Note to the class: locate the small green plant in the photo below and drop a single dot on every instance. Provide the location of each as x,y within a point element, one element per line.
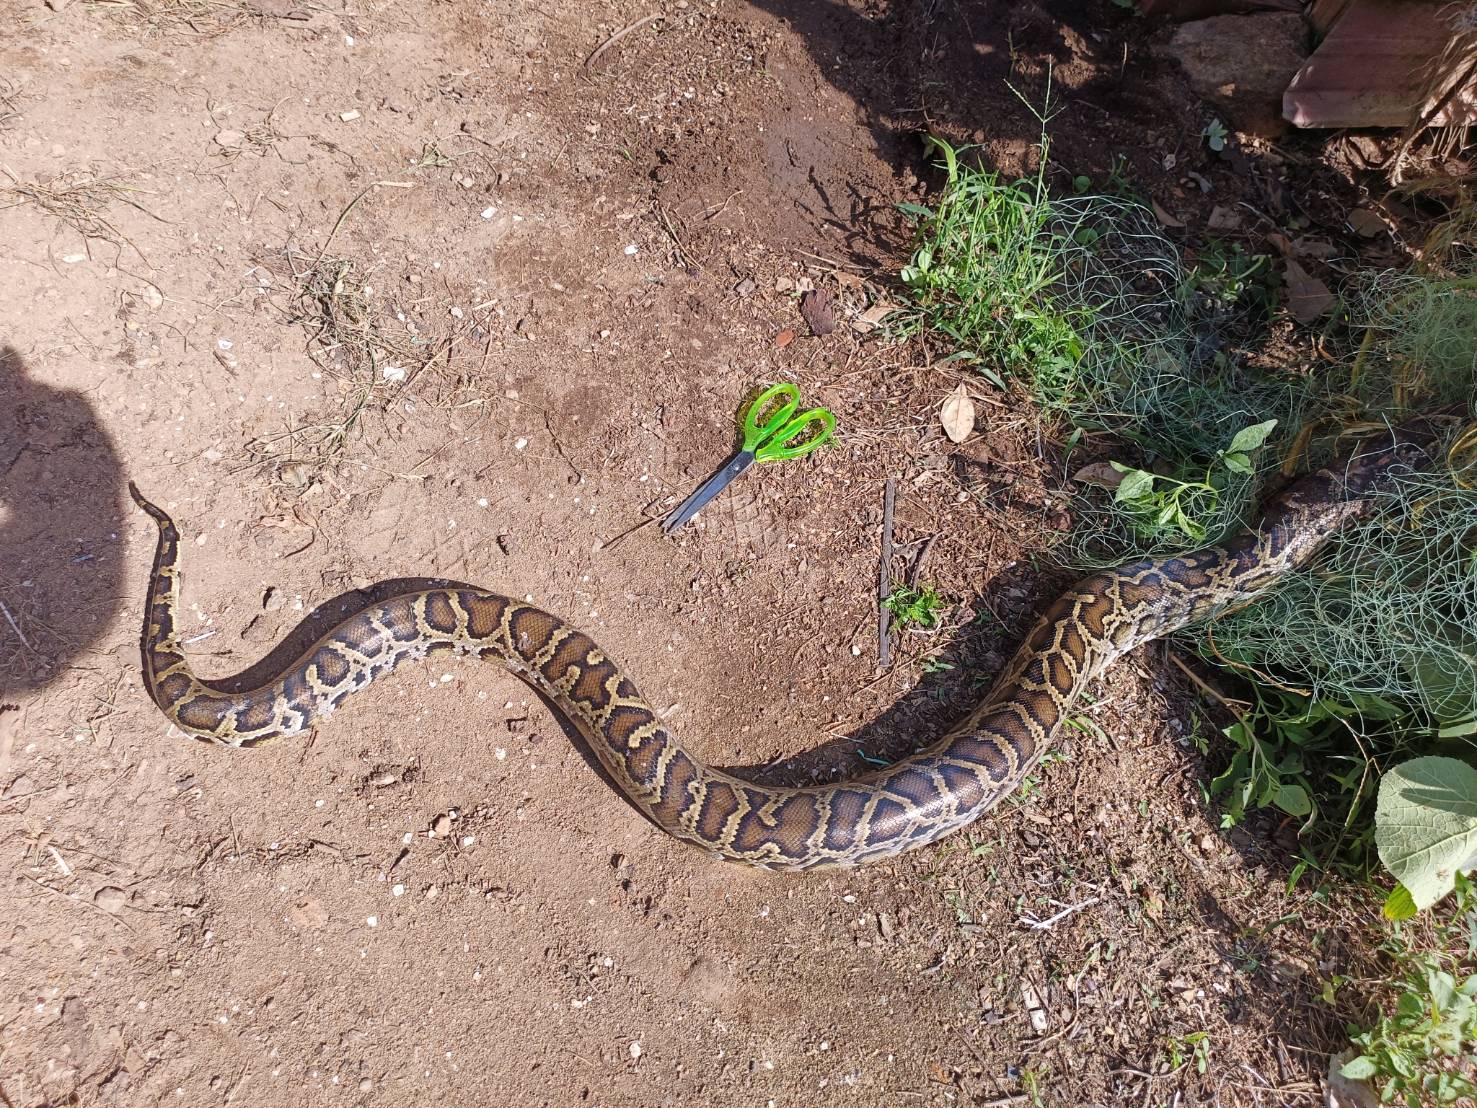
<point>1226,276</point>
<point>1197,1045</point>
<point>1157,502</point>
<point>1279,738</point>
<point>1418,1052</point>
<point>915,608</point>
<point>1215,134</point>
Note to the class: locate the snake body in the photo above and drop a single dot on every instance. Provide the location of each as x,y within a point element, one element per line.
<point>941,788</point>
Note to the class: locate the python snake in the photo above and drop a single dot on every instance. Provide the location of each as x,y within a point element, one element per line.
<point>915,801</point>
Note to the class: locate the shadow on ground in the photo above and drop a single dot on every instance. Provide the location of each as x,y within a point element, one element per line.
<point>61,558</point>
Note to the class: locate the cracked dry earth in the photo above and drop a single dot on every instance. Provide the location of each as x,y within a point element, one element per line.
<point>413,290</point>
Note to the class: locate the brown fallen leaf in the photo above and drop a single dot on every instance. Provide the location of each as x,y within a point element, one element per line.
<point>1366,223</point>
<point>818,311</point>
<point>1101,474</point>
<point>1223,218</point>
<point>785,337</point>
<point>1308,298</point>
<point>872,318</point>
<point>957,415</point>
<point>1164,218</point>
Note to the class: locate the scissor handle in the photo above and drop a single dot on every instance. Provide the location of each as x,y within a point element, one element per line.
<point>757,432</point>
<point>770,429</point>
<point>777,446</point>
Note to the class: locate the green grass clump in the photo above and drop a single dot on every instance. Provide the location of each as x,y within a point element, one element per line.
<point>1420,338</point>
<point>982,274</point>
<point>915,607</point>
<point>1083,302</point>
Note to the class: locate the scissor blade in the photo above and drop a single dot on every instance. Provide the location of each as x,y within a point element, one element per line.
<point>707,490</point>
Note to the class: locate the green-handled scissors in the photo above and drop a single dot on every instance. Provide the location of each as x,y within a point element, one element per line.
<point>770,426</point>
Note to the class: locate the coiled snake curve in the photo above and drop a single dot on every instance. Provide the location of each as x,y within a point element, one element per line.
<point>915,801</point>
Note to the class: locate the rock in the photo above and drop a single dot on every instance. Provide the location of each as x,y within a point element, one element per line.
<point>110,899</point>
<point>114,1088</point>
<point>1242,64</point>
<point>22,785</point>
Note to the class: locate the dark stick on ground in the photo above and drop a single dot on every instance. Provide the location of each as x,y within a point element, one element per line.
<point>884,579</point>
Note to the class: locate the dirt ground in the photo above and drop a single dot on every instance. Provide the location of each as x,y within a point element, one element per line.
<point>425,289</point>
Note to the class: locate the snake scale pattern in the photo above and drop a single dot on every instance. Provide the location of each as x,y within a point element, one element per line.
<point>941,788</point>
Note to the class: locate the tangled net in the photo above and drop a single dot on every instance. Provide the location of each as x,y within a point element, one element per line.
<point>1388,611</point>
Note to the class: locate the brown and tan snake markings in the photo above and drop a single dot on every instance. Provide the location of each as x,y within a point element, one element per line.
<point>913,802</point>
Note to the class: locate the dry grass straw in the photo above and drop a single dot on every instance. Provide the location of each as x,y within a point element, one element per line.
<point>1449,77</point>
<point>196,17</point>
<point>80,201</point>
<point>369,359</point>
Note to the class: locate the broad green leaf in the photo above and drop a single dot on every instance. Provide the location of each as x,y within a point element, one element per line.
<point>1249,438</point>
<point>1398,905</point>
<point>1442,987</point>
<point>1457,730</point>
<point>1238,462</point>
<point>1358,1069</point>
<point>1293,799</point>
<point>1426,824</point>
<point>1136,485</point>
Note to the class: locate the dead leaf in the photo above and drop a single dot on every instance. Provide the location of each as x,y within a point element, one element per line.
<point>1308,298</point>
<point>1345,1092</point>
<point>817,310</point>
<point>1366,223</point>
<point>1164,218</point>
<point>957,415</point>
<point>872,318</point>
<point>1307,247</point>
<point>785,337</point>
<point>1101,474</point>
<point>1223,218</point>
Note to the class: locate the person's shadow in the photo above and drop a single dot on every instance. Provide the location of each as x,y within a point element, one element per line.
<point>61,513</point>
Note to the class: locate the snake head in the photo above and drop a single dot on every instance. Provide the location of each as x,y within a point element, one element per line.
<point>1402,448</point>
